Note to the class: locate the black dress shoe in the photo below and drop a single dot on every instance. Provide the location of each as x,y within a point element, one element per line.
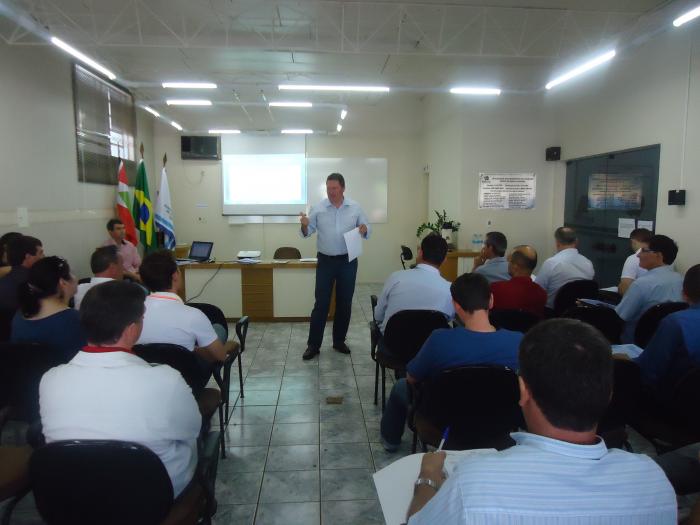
<point>341,347</point>
<point>310,353</point>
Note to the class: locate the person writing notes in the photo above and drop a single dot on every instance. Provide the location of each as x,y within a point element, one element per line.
<point>331,219</point>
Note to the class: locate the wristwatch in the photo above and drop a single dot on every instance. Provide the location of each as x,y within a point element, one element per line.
<point>427,481</point>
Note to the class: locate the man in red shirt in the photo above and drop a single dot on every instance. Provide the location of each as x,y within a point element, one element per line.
<point>520,292</point>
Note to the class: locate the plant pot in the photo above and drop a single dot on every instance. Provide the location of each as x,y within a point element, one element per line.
<point>450,237</point>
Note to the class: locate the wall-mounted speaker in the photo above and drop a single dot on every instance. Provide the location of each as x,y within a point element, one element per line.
<point>676,198</point>
<point>553,153</point>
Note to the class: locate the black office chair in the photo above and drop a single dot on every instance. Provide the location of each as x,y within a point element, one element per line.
<point>213,313</point>
<point>115,483</point>
<point>84,280</point>
<point>478,403</point>
<point>403,337</point>
<point>649,321</point>
<point>603,318</point>
<point>287,252</point>
<point>627,385</point>
<point>6,317</point>
<point>242,333</point>
<point>567,294</point>
<point>516,320</point>
<point>406,255</point>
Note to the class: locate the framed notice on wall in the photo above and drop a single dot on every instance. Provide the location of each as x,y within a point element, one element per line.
<point>614,192</point>
<point>506,191</point>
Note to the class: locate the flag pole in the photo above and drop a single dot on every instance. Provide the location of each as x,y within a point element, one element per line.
<point>165,159</point>
<point>141,150</point>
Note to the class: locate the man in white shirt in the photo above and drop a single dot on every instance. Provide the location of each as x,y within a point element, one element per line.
<point>168,319</point>
<point>107,392</point>
<point>639,238</point>
<point>106,265</point>
<point>566,266</point>
<point>420,288</point>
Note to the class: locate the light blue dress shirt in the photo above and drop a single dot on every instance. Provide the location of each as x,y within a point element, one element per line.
<point>421,288</point>
<point>494,270</point>
<point>544,481</point>
<point>659,285</point>
<point>332,223</point>
<point>563,267</point>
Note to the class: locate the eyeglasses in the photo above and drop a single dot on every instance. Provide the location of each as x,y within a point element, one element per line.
<point>648,250</point>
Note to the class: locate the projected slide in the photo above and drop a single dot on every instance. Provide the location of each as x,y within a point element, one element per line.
<point>264,184</point>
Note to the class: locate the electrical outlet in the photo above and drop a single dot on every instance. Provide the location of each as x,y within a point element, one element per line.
<point>488,222</point>
<point>202,220</point>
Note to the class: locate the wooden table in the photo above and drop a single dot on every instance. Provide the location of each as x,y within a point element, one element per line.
<point>453,265</point>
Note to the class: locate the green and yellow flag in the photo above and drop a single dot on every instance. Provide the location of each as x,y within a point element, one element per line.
<point>143,210</point>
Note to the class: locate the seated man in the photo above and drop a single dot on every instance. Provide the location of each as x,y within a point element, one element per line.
<point>421,288</point>
<point>106,265</point>
<point>520,292</point>
<point>477,343</point>
<point>131,260</point>
<point>107,392</point>
<point>659,285</point>
<point>566,266</point>
<point>639,238</point>
<point>491,262</point>
<point>675,347</point>
<point>559,472</point>
<point>22,253</point>
<point>168,319</point>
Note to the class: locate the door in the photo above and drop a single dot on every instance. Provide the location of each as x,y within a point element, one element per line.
<point>600,191</point>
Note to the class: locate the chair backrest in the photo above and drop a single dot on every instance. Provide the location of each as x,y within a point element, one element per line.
<point>105,482</point>
<point>193,368</point>
<point>649,321</point>
<point>6,324</point>
<point>21,367</point>
<point>478,403</point>
<point>213,313</point>
<point>567,294</point>
<point>242,330</point>
<point>603,318</point>
<point>516,320</point>
<point>373,302</point>
<point>407,330</point>
<point>685,399</point>
<point>627,385</point>
<point>406,255</point>
<point>287,252</point>
<point>84,280</point>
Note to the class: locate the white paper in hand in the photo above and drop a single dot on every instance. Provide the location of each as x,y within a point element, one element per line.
<point>353,242</point>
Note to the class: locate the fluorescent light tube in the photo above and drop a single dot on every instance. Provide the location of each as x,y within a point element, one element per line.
<point>687,17</point>
<point>343,114</point>
<point>176,125</point>
<point>224,131</point>
<point>83,58</point>
<point>187,102</point>
<point>475,91</point>
<point>581,69</point>
<point>297,131</point>
<point>189,85</point>
<point>309,87</point>
<point>151,111</point>
<point>339,127</point>
<point>291,104</point>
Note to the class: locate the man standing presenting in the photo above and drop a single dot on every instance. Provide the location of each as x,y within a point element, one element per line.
<point>332,218</point>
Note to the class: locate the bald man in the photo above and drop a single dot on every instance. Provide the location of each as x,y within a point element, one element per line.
<point>520,292</point>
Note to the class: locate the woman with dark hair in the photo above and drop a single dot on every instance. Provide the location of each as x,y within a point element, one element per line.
<point>6,239</point>
<point>44,315</point>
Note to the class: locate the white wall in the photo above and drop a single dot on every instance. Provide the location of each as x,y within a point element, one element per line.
<point>38,152</point>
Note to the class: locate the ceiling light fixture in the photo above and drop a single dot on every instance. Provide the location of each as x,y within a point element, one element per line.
<point>176,125</point>
<point>605,57</point>
<point>290,104</point>
<point>339,127</point>
<point>297,131</point>
<point>310,87</point>
<point>475,91</point>
<point>189,85</point>
<point>343,114</point>
<point>83,58</point>
<point>224,131</point>
<point>187,102</point>
<point>151,111</point>
<point>687,17</point>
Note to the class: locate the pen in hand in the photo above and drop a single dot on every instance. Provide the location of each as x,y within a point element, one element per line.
<point>445,434</point>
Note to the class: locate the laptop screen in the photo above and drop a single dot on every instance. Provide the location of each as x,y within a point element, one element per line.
<point>201,250</point>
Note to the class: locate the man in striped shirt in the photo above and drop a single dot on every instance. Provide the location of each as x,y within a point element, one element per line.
<point>560,472</point>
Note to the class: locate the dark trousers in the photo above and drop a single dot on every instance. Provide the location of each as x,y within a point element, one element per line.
<point>332,270</point>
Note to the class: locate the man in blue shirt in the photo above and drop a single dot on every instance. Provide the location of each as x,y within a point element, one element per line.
<point>491,262</point>
<point>559,472</point>
<point>659,285</point>
<point>332,218</point>
<point>476,344</point>
<point>675,347</point>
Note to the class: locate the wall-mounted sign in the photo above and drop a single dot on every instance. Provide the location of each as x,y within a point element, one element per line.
<point>506,191</point>
<point>614,192</point>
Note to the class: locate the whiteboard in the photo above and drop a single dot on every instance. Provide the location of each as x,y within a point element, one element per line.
<point>366,182</point>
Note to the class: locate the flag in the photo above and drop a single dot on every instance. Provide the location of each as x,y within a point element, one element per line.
<point>143,210</point>
<point>123,205</point>
<point>164,213</point>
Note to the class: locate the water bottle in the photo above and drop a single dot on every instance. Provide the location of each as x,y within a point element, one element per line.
<point>475,242</point>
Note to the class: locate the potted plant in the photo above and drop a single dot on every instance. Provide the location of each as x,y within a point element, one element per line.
<point>443,226</point>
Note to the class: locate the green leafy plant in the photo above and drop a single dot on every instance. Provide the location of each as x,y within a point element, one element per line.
<point>442,223</point>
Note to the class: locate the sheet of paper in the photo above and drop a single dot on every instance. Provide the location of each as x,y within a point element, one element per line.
<point>596,302</point>
<point>649,225</point>
<point>394,483</point>
<point>309,259</point>
<point>353,242</point>
<point>625,227</point>
<point>630,350</point>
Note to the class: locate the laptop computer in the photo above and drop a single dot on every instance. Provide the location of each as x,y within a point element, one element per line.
<point>200,251</point>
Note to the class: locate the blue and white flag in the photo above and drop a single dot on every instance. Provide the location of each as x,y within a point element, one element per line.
<point>164,213</point>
